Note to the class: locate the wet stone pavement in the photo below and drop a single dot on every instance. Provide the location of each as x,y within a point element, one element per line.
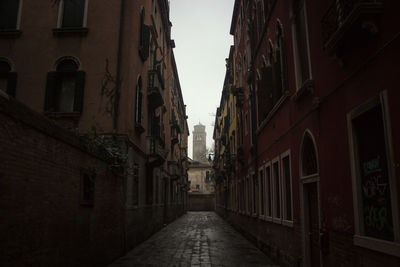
<point>195,239</point>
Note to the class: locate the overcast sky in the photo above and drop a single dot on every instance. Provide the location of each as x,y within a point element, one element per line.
<point>200,29</point>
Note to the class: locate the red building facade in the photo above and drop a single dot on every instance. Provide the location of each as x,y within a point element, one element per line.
<point>317,104</point>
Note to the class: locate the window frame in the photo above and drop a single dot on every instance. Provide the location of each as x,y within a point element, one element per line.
<point>275,218</point>
<point>359,238</point>
<point>269,197</point>
<point>285,221</point>
<point>254,193</point>
<point>61,16</point>
<point>17,22</point>
<point>261,190</point>
<point>296,54</point>
<point>53,87</point>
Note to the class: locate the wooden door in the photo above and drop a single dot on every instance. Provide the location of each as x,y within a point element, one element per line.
<point>313,224</point>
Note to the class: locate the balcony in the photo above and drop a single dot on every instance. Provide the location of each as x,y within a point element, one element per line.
<point>156,152</point>
<point>175,132</point>
<point>174,170</point>
<point>155,89</point>
<point>348,20</point>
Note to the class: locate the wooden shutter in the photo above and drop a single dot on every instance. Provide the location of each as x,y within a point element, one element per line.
<point>79,87</point>
<point>145,42</point>
<point>51,86</point>
<point>12,83</point>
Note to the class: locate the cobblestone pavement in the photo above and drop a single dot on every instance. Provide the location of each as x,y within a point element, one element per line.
<point>195,239</point>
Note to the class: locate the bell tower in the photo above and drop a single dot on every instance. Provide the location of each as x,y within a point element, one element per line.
<point>199,143</point>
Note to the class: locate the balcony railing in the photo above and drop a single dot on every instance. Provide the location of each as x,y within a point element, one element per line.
<point>343,15</point>
<point>174,169</point>
<point>155,89</point>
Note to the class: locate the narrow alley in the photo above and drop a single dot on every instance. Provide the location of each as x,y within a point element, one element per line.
<point>195,239</point>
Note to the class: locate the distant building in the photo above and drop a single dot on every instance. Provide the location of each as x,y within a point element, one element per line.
<point>200,174</point>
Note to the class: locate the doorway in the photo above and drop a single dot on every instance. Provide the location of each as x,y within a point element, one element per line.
<point>312,224</point>
<point>310,204</point>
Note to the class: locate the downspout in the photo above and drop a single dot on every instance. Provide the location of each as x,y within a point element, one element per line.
<point>116,111</point>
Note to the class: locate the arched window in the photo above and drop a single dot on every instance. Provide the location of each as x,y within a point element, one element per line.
<point>64,89</point>
<point>279,63</point>
<point>309,164</point>
<point>139,106</point>
<point>8,79</point>
<point>300,43</point>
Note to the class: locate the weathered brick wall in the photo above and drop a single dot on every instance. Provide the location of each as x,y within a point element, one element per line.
<point>42,222</point>
<point>201,202</point>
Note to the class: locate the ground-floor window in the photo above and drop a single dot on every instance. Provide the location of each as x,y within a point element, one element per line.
<point>286,187</point>
<point>276,192</point>
<point>373,174</point>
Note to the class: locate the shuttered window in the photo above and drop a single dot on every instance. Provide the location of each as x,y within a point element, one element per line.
<point>9,14</point>
<point>64,88</point>
<point>144,38</point>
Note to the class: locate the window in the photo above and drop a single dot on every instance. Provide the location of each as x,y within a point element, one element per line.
<point>374,183</point>
<point>246,124</point>
<point>9,13</point>
<point>300,37</point>
<point>87,188</point>
<point>64,88</point>
<point>139,106</point>
<point>309,165</point>
<point>279,64</point>
<point>268,190</point>
<point>276,188</point>
<point>261,182</point>
<point>286,188</point>
<point>264,93</point>
<point>254,193</point>
<point>272,82</point>
<point>72,13</point>
<point>8,79</point>
<point>260,17</point>
<point>135,184</point>
<point>247,192</point>
<point>144,38</point>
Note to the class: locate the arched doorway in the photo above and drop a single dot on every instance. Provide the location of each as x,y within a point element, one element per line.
<point>309,178</point>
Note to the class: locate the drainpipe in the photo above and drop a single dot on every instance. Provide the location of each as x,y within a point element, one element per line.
<point>116,110</point>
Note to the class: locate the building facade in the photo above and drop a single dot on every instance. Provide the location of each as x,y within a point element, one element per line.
<point>316,100</point>
<point>113,77</point>
<point>200,178</point>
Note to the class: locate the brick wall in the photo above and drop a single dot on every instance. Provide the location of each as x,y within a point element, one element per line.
<point>42,220</point>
